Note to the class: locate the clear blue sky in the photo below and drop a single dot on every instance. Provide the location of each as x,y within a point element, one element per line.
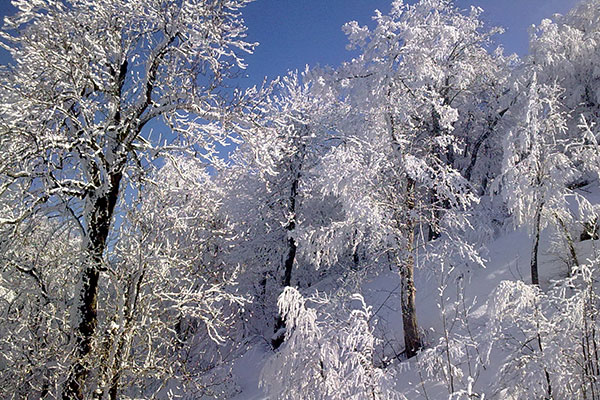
<point>293,33</point>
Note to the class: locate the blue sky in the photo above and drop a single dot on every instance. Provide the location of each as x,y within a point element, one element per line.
<point>293,33</point>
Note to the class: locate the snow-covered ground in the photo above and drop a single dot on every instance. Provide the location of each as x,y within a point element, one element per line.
<point>507,258</point>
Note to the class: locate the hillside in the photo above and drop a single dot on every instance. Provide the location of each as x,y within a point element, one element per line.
<point>507,259</point>
<point>420,221</point>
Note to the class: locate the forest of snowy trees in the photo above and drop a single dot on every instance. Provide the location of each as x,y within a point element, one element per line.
<point>348,232</point>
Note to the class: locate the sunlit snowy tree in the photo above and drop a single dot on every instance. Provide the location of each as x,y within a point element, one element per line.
<point>36,284</point>
<point>267,196</point>
<point>87,79</point>
<point>331,341</point>
<point>536,169</point>
<point>171,302</point>
<point>550,339</point>
<point>397,172</point>
<point>564,50</point>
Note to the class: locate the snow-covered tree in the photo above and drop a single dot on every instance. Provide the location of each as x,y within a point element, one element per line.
<point>436,68</point>
<point>564,57</point>
<point>536,169</point>
<point>519,323</point>
<point>267,198</point>
<point>564,52</point>
<point>36,287</point>
<point>170,301</point>
<point>564,49</point>
<point>550,340</point>
<point>411,90</point>
<point>456,359</point>
<point>329,351</point>
<point>87,80</point>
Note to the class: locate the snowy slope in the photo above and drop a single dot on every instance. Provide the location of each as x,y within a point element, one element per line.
<point>507,258</point>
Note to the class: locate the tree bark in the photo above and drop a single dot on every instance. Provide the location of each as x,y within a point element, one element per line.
<point>570,244</point>
<point>536,243</point>
<point>289,260</point>
<point>412,339</point>
<point>292,247</point>
<point>131,301</point>
<point>477,145</point>
<point>98,227</point>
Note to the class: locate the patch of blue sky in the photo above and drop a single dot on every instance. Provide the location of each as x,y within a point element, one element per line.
<point>295,33</point>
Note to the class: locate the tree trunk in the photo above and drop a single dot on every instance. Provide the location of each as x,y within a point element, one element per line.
<point>412,339</point>
<point>570,244</point>
<point>536,243</point>
<point>539,339</point>
<point>292,247</point>
<point>131,301</point>
<point>289,261</point>
<point>476,146</point>
<point>98,227</point>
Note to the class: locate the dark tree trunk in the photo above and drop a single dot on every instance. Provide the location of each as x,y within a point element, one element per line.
<point>289,261</point>
<point>98,227</point>
<point>569,239</point>
<point>287,279</point>
<point>99,219</point>
<point>546,373</point>
<point>412,339</point>
<point>536,243</point>
<point>291,256</point>
<point>477,145</point>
